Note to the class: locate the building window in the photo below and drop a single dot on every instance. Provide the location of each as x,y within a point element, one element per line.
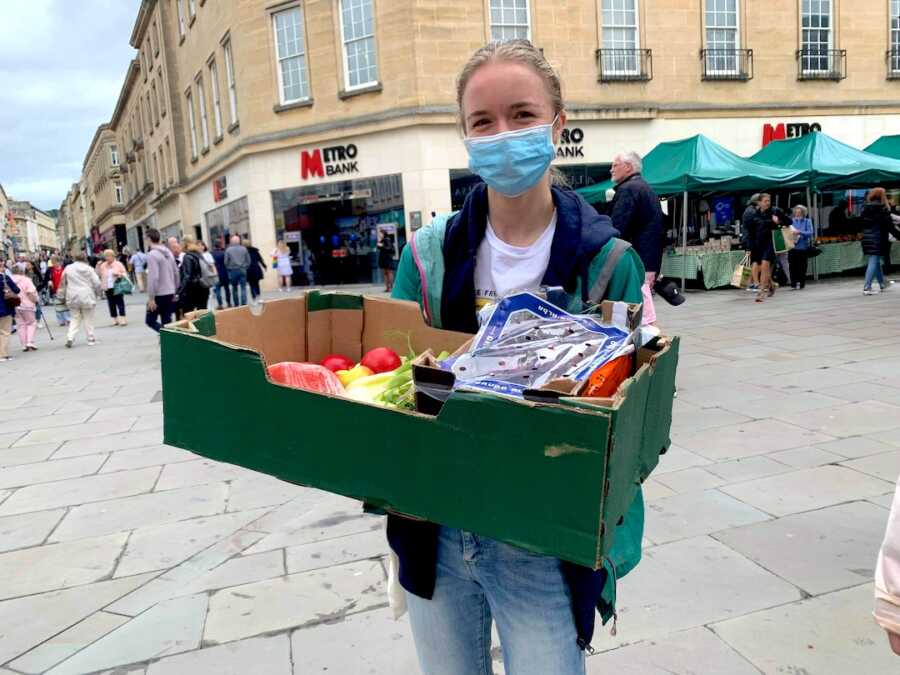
<point>229,75</point>
<point>510,20</point>
<point>358,37</point>
<point>894,55</point>
<point>181,27</point>
<point>216,99</point>
<point>621,41</point>
<point>192,8</point>
<point>155,36</point>
<point>722,37</point>
<point>114,155</point>
<point>204,122</point>
<point>817,37</point>
<point>119,194</point>
<point>293,79</point>
<point>162,95</point>
<point>154,101</point>
<point>169,161</point>
<point>156,173</point>
<point>192,123</point>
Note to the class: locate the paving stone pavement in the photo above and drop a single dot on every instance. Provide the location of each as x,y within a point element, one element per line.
<point>121,554</point>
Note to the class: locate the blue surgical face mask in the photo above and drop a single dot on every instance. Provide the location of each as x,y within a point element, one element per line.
<point>512,162</point>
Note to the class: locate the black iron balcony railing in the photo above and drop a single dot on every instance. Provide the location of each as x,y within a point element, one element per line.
<point>893,63</point>
<point>727,64</point>
<point>821,64</point>
<point>625,65</point>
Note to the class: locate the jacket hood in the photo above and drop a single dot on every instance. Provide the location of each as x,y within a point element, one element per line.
<point>166,253</point>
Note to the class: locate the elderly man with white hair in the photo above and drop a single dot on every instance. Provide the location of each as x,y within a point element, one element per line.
<point>637,216</point>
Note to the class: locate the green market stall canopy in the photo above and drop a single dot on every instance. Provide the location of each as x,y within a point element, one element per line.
<point>886,146</point>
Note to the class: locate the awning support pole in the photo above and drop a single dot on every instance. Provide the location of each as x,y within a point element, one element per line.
<point>684,228</point>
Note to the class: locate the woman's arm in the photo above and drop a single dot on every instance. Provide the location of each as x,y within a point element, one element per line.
<point>407,284</point>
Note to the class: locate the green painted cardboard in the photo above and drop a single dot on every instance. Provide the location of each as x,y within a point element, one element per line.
<point>554,479</point>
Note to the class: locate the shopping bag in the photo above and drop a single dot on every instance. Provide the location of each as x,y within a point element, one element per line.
<point>742,273</point>
<point>123,286</point>
<point>783,239</point>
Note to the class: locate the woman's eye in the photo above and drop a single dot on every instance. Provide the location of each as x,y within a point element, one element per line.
<point>479,123</point>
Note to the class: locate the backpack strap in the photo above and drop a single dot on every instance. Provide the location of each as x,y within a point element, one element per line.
<point>601,283</point>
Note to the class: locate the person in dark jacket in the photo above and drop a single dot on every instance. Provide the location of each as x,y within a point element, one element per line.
<point>192,293</point>
<point>636,214</point>
<point>748,237</point>
<point>218,255</point>
<point>257,269</point>
<point>6,312</point>
<point>877,228</point>
<point>763,251</point>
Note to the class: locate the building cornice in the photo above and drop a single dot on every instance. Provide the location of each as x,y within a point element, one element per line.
<point>133,72</point>
<point>103,127</point>
<point>140,23</point>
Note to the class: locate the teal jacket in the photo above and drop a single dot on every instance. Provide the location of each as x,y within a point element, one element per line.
<point>437,270</point>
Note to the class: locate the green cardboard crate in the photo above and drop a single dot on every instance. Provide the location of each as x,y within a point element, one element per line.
<point>551,478</point>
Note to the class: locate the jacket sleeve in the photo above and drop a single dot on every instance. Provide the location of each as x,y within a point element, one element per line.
<point>407,285</point>
<point>10,283</point>
<point>887,572</point>
<point>623,212</point>
<point>152,276</point>
<point>95,282</point>
<point>627,279</point>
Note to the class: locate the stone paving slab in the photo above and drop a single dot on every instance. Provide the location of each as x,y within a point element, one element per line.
<point>692,513</point>
<point>829,634</point>
<point>46,472</point>
<point>27,455</point>
<point>269,655</point>
<point>745,440</point>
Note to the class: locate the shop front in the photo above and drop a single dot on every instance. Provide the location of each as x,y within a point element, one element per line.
<point>136,233</point>
<point>333,229</point>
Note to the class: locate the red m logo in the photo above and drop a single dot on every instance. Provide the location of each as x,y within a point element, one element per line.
<point>770,133</point>
<point>311,164</point>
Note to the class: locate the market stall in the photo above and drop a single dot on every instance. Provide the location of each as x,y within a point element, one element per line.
<point>886,146</point>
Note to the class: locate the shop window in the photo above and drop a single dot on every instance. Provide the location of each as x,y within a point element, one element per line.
<point>358,37</point>
<point>290,47</point>
<point>510,20</point>
<point>232,218</point>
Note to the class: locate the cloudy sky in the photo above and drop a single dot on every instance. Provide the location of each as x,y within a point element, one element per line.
<point>62,64</point>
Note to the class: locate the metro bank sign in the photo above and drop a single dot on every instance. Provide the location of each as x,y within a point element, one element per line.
<point>779,132</point>
<point>335,160</point>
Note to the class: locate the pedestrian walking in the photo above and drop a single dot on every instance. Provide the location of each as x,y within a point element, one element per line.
<point>162,282</point>
<point>387,250</point>
<point>237,262</point>
<point>637,215</point>
<point>176,249</point>
<point>138,263</point>
<point>257,269</point>
<point>763,251</point>
<point>748,238</point>
<point>56,270</point>
<point>877,228</point>
<point>798,257</point>
<point>457,583</point>
<point>281,259</point>
<point>223,284</point>
<point>81,288</point>
<point>887,577</point>
<point>192,293</point>
<point>110,271</point>
<point>26,312</point>
<point>7,308</point>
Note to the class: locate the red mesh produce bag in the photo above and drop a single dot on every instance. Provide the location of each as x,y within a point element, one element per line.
<point>308,376</point>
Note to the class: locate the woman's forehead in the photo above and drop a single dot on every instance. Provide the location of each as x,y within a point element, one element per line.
<point>501,84</point>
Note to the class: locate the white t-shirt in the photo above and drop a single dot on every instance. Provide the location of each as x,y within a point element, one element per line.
<point>501,268</point>
<point>110,279</point>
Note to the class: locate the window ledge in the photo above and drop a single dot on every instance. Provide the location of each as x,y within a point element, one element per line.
<point>163,113</point>
<point>218,139</point>
<point>368,89</point>
<point>282,107</point>
<point>234,127</point>
<point>181,39</point>
<point>205,151</point>
<point>194,159</point>
<point>192,20</point>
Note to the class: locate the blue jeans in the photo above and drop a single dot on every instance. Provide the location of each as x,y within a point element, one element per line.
<point>218,290</point>
<point>165,308</point>
<point>479,580</point>
<point>873,271</point>
<point>238,279</point>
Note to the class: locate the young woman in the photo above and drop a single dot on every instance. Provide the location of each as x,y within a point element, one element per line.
<point>192,293</point>
<point>763,251</point>
<point>877,225</point>
<point>386,262</point>
<point>519,231</point>
<point>281,257</point>
<point>26,312</point>
<point>257,269</point>
<point>110,269</point>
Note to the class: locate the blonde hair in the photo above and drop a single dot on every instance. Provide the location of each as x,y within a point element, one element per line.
<point>189,243</point>
<point>526,54</point>
<point>877,196</point>
<point>109,252</point>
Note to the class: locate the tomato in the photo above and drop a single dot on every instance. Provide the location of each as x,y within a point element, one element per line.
<point>308,376</point>
<point>381,360</point>
<point>336,362</point>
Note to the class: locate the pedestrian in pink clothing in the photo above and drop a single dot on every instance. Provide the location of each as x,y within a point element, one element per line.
<point>26,321</point>
<point>887,577</point>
